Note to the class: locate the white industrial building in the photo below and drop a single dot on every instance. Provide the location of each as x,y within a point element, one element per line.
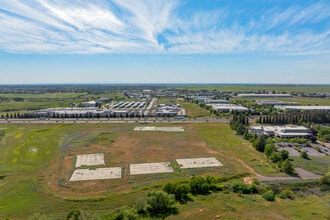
<point>229,108</point>
<point>274,102</point>
<point>282,131</point>
<point>263,95</point>
<point>169,110</point>
<point>89,104</point>
<point>305,108</point>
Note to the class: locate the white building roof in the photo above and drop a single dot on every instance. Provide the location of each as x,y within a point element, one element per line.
<point>306,107</point>
<point>246,95</point>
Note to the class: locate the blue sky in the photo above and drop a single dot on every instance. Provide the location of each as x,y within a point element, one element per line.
<point>169,41</point>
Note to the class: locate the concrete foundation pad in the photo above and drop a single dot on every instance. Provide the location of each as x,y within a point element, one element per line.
<point>146,168</point>
<point>153,128</point>
<point>97,174</point>
<point>90,160</point>
<point>198,162</point>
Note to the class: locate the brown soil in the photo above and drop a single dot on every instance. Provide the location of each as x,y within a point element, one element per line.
<point>128,147</point>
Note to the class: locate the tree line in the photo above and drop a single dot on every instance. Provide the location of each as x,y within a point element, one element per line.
<point>295,118</point>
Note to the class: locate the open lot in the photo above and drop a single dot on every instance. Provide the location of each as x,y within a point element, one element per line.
<point>147,168</point>
<point>37,162</point>
<point>153,128</point>
<point>198,162</point>
<point>96,174</point>
<point>90,160</point>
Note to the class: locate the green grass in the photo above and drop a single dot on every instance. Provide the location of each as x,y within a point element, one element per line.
<point>223,139</point>
<point>318,165</point>
<point>224,205</point>
<point>24,190</point>
<point>194,111</point>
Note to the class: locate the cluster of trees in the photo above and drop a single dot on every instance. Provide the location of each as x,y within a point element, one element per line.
<point>296,118</point>
<point>239,123</point>
<point>324,134</point>
<point>157,204</point>
<point>196,186</point>
<point>267,146</point>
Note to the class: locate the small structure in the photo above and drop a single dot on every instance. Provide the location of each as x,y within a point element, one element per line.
<point>147,168</point>
<point>90,160</point>
<point>282,131</point>
<point>89,104</point>
<point>303,108</point>
<point>274,102</point>
<point>263,95</point>
<point>153,128</point>
<point>96,174</point>
<point>229,108</point>
<point>198,162</point>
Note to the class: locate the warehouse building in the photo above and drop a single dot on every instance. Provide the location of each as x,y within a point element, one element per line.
<point>229,108</point>
<point>303,108</point>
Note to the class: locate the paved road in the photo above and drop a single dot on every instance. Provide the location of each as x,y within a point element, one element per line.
<point>302,175</point>
<point>110,120</point>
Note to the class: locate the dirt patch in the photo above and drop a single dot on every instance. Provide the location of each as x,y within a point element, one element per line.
<point>125,147</point>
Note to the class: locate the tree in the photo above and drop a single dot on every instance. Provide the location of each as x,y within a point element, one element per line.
<point>287,167</point>
<point>269,149</point>
<point>260,143</point>
<point>160,204</point>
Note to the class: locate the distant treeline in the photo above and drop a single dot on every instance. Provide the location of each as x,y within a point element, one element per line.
<point>295,118</point>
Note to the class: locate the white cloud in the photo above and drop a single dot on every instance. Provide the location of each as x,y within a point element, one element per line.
<point>155,27</point>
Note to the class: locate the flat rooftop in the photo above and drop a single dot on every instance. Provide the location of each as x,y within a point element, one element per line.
<point>90,160</point>
<point>147,168</point>
<point>199,162</point>
<point>96,174</point>
<point>153,128</point>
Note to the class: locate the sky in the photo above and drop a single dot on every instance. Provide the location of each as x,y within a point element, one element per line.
<point>164,41</point>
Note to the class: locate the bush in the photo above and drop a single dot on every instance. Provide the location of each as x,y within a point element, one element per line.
<point>245,189</point>
<point>199,185</point>
<point>286,194</point>
<point>304,154</point>
<point>326,179</point>
<point>287,167</point>
<point>126,213</point>
<point>269,149</point>
<point>269,195</point>
<point>180,191</point>
<point>160,204</point>
<point>75,215</point>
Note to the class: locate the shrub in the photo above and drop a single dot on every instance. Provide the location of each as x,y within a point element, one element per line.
<point>199,185</point>
<point>269,149</point>
<point>245,189</point>
<point>160,204</point>
<point>180,191</point>
<point>286,194</point>
<point>126,213</point>
<point>304,154</point>
<point>269,195</point>
<point>326,179</point>
<point>287,167</point>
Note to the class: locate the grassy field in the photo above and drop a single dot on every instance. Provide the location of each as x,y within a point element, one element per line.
<point>11,103</point>
<point>194,111</point>
<point>37,161</point>
<point>254,88</point>
<point>318,165</point>
<point>299,100</point>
